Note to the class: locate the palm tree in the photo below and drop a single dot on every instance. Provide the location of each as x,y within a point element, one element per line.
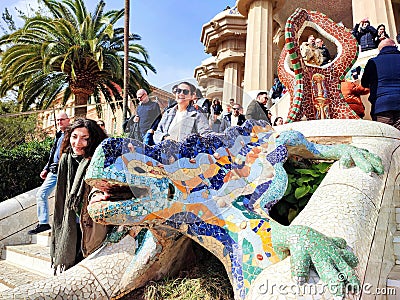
<point>72,51</point>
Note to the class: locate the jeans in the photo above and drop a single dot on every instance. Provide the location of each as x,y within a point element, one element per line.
<point>42,196</point>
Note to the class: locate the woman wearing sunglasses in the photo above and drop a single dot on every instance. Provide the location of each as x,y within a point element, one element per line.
<point>183,119</point>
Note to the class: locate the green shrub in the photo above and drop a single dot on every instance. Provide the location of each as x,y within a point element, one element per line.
<point>21,166</point>
<point>304,177</point>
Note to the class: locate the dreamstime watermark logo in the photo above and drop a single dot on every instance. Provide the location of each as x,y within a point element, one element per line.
<point>338,288</point>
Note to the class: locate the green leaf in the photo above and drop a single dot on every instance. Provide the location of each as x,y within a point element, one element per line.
<point>323,167</point>
<point>301,191</point>
<point>109,31</point>
<point>307,172</point>
<point>304,179</point>
<point>281,209</point>
<point>292,214</point>
<point>303,202</point>
<point>291,199</point>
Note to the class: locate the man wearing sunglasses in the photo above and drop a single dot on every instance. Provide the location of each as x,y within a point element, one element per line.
<point>147,112</point>
<point>183,119</point>
<point>235,118</point>
<point>257,109</point>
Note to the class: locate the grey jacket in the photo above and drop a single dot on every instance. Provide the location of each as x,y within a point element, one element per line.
<point>255,112</point>
<point>194,122</point>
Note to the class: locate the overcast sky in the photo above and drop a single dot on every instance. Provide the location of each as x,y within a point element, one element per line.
<point>170,31</point>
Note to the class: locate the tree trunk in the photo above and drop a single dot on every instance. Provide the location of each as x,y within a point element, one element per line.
<point>126,59</point>
<point>81,101</point>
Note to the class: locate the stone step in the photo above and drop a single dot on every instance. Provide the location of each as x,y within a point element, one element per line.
<point>12,275</point>
<point>33,257</point>
<point>393,284</point>
<point>42,239</point>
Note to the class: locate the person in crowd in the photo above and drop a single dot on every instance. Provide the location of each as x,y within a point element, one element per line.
<point>381,76</point>
<point>256,109</point>
<point>216,107</point>
<point>74,234</point>
<point>217,123</point>
<point>180,121</point>
<point>148,138</point>
<point>310,52</point>
<point>278,121</point>
<point>202,102</point>
<point>380,34</point>
<point>235,118</point>
<point>352,91</point>
<point>365,34</point>
<point>276,90</point>
<point>147,111</point>
<point>102,125</point>
<point>49,174</point>
<point>229,106</point>
<point>269,115</point>
<point>326,56</point>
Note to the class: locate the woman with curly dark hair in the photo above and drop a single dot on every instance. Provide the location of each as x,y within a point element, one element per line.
<point>74,234</point>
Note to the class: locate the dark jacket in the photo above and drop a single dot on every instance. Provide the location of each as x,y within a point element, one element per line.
<point>148,112</point>
<point>256,111</point>
<point>51,166</point>
<point>325,54</point>
<point>365,37</point>
<point>217,109</point>
<point>241,119</point>
<point>382,77</point>
<point>377,39</point>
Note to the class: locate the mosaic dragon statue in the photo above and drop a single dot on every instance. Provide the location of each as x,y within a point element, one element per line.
<point>217,190</point>
<point>316,88</point>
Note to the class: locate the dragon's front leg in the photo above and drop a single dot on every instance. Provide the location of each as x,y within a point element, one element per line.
<point>307,247</point>
<point>347,155</point>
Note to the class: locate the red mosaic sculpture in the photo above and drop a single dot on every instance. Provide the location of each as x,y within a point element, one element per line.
<point>299,77</point>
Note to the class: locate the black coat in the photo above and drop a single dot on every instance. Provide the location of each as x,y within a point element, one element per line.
<point>365,37</point>
<point>241,119</point>
<point>381,76</point>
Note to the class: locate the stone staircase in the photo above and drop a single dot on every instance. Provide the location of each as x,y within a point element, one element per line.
<point>26,263</point>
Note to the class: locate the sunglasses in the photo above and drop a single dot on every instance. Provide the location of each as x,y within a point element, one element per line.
<point>100,124</point>
<point>184,91</point>
<point>236,108</point>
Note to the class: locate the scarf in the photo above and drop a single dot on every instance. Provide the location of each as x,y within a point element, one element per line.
<point>69,195</point>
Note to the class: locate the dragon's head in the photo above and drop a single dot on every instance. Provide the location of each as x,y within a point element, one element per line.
<point>135,182</point>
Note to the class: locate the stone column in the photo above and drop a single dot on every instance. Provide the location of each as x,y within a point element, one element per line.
<point>232,82</point>
<point>224,37</point>
<point>258,73</point>
<point>258,62</point>
<point>210,78</point>
<point>378,12</point>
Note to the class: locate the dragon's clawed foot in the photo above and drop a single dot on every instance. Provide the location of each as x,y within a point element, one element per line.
<point>332,259</point>
<point>362,158</point>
